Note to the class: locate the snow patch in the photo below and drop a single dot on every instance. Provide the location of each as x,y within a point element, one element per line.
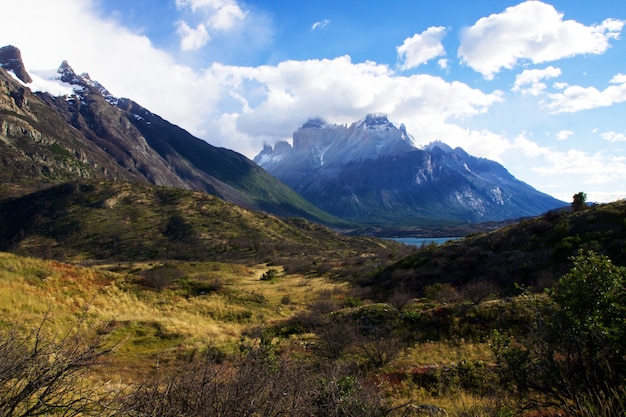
<point>47,82</point>
<point>496,194</point>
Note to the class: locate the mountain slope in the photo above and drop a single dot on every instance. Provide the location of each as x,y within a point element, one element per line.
<point>86,133</point>
<point>372,173</point>
<point>532,253</point>
<point>122,221</point>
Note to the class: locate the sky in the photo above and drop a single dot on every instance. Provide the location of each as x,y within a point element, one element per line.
<point>538,86</point>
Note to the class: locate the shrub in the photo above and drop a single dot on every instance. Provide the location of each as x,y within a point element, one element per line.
<point>269,275</point>
<point>574,353</point>
<point>44,375</point>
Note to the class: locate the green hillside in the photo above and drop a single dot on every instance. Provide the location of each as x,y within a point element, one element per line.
<point>104,221</point>
<point>531,253</point>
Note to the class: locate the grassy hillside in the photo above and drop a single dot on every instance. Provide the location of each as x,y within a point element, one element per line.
<point>531,253</point>
<point>122,221</point>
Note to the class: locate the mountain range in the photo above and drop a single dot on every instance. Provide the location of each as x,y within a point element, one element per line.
<point>86,133</point>
<point>368,173</point>
<point>372,173</point>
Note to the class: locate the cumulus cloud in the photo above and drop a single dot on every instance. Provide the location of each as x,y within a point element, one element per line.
<point>592,168</point>
<point>213,15</point>
<point>241,107</point>
<point>533,31</point>
<point>137,69</point>
<point>192,39</point>
<point>576,98</point>
<point>421,47</point>
<point>613,136</point>
<point>569,168</point>
<point>529,81</point>
<point>341,92</point>
<point>564,134</point>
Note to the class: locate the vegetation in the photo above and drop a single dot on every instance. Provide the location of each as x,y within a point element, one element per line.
<point>573,358</point>
<point>530,254</point>
<point>129,221</point>
<point>186,305</point>
<point>580,201</point>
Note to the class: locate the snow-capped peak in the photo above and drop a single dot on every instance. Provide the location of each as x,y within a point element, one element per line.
<point>315,123</point>
<point>438,144</point>
<point>375,120</point>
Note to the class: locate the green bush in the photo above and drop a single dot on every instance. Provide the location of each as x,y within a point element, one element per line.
<point>574,351</point>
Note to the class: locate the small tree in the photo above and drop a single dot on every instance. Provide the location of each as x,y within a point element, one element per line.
<point>579,201</point>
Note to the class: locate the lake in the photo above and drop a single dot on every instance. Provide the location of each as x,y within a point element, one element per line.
<point>419,241</point>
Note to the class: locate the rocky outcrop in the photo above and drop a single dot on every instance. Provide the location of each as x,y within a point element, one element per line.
<point>11,60</point>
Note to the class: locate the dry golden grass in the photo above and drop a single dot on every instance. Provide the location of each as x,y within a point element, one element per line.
<point>153,324</point>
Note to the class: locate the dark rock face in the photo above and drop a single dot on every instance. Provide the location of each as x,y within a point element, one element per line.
<point>371,173</point>
<point>11,60</point>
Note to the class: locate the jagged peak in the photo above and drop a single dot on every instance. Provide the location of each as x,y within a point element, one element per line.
<point>67,74</point>
<point>438,144</point>
<point>11,60</point>
<point>374,120</point>
<point>315,123</point>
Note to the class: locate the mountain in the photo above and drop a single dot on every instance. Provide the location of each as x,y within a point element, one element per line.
<point>372,173</point>
<point>82,132</point>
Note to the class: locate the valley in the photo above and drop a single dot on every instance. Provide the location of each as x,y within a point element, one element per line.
<point>144,272</point>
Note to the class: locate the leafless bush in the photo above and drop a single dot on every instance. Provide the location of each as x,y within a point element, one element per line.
<point>478,290</point>
<point>400,298</point>
<point>442,292</point>
<point>262,382</point>
<point>42,375</point>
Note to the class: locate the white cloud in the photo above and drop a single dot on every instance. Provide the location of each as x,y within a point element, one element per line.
<point>613,136</point>
<point>320,25</point>
<point>422,47</point>
<point>192,39</point>
<point>533,31</point>
<point>564,134</point>
<point>342,92</point>
<point>597,168</point>
<point>213,15</point>
<point>261,104</point>
<point>618,79</point>
<point>573,164</point>
<point>606,196</point>
<point>576,98</point>
<point>529,81</point>
<point>219,14</point>
<point>126,63</point>
<point>226,16</point>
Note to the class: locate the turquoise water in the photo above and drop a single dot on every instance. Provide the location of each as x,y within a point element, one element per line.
<point>419,241</point>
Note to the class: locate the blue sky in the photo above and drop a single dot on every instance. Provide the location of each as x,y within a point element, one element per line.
<point>539,86</point>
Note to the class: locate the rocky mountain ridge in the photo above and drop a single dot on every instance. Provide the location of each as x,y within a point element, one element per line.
<point>372,173</point>
<point>86,133</point>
